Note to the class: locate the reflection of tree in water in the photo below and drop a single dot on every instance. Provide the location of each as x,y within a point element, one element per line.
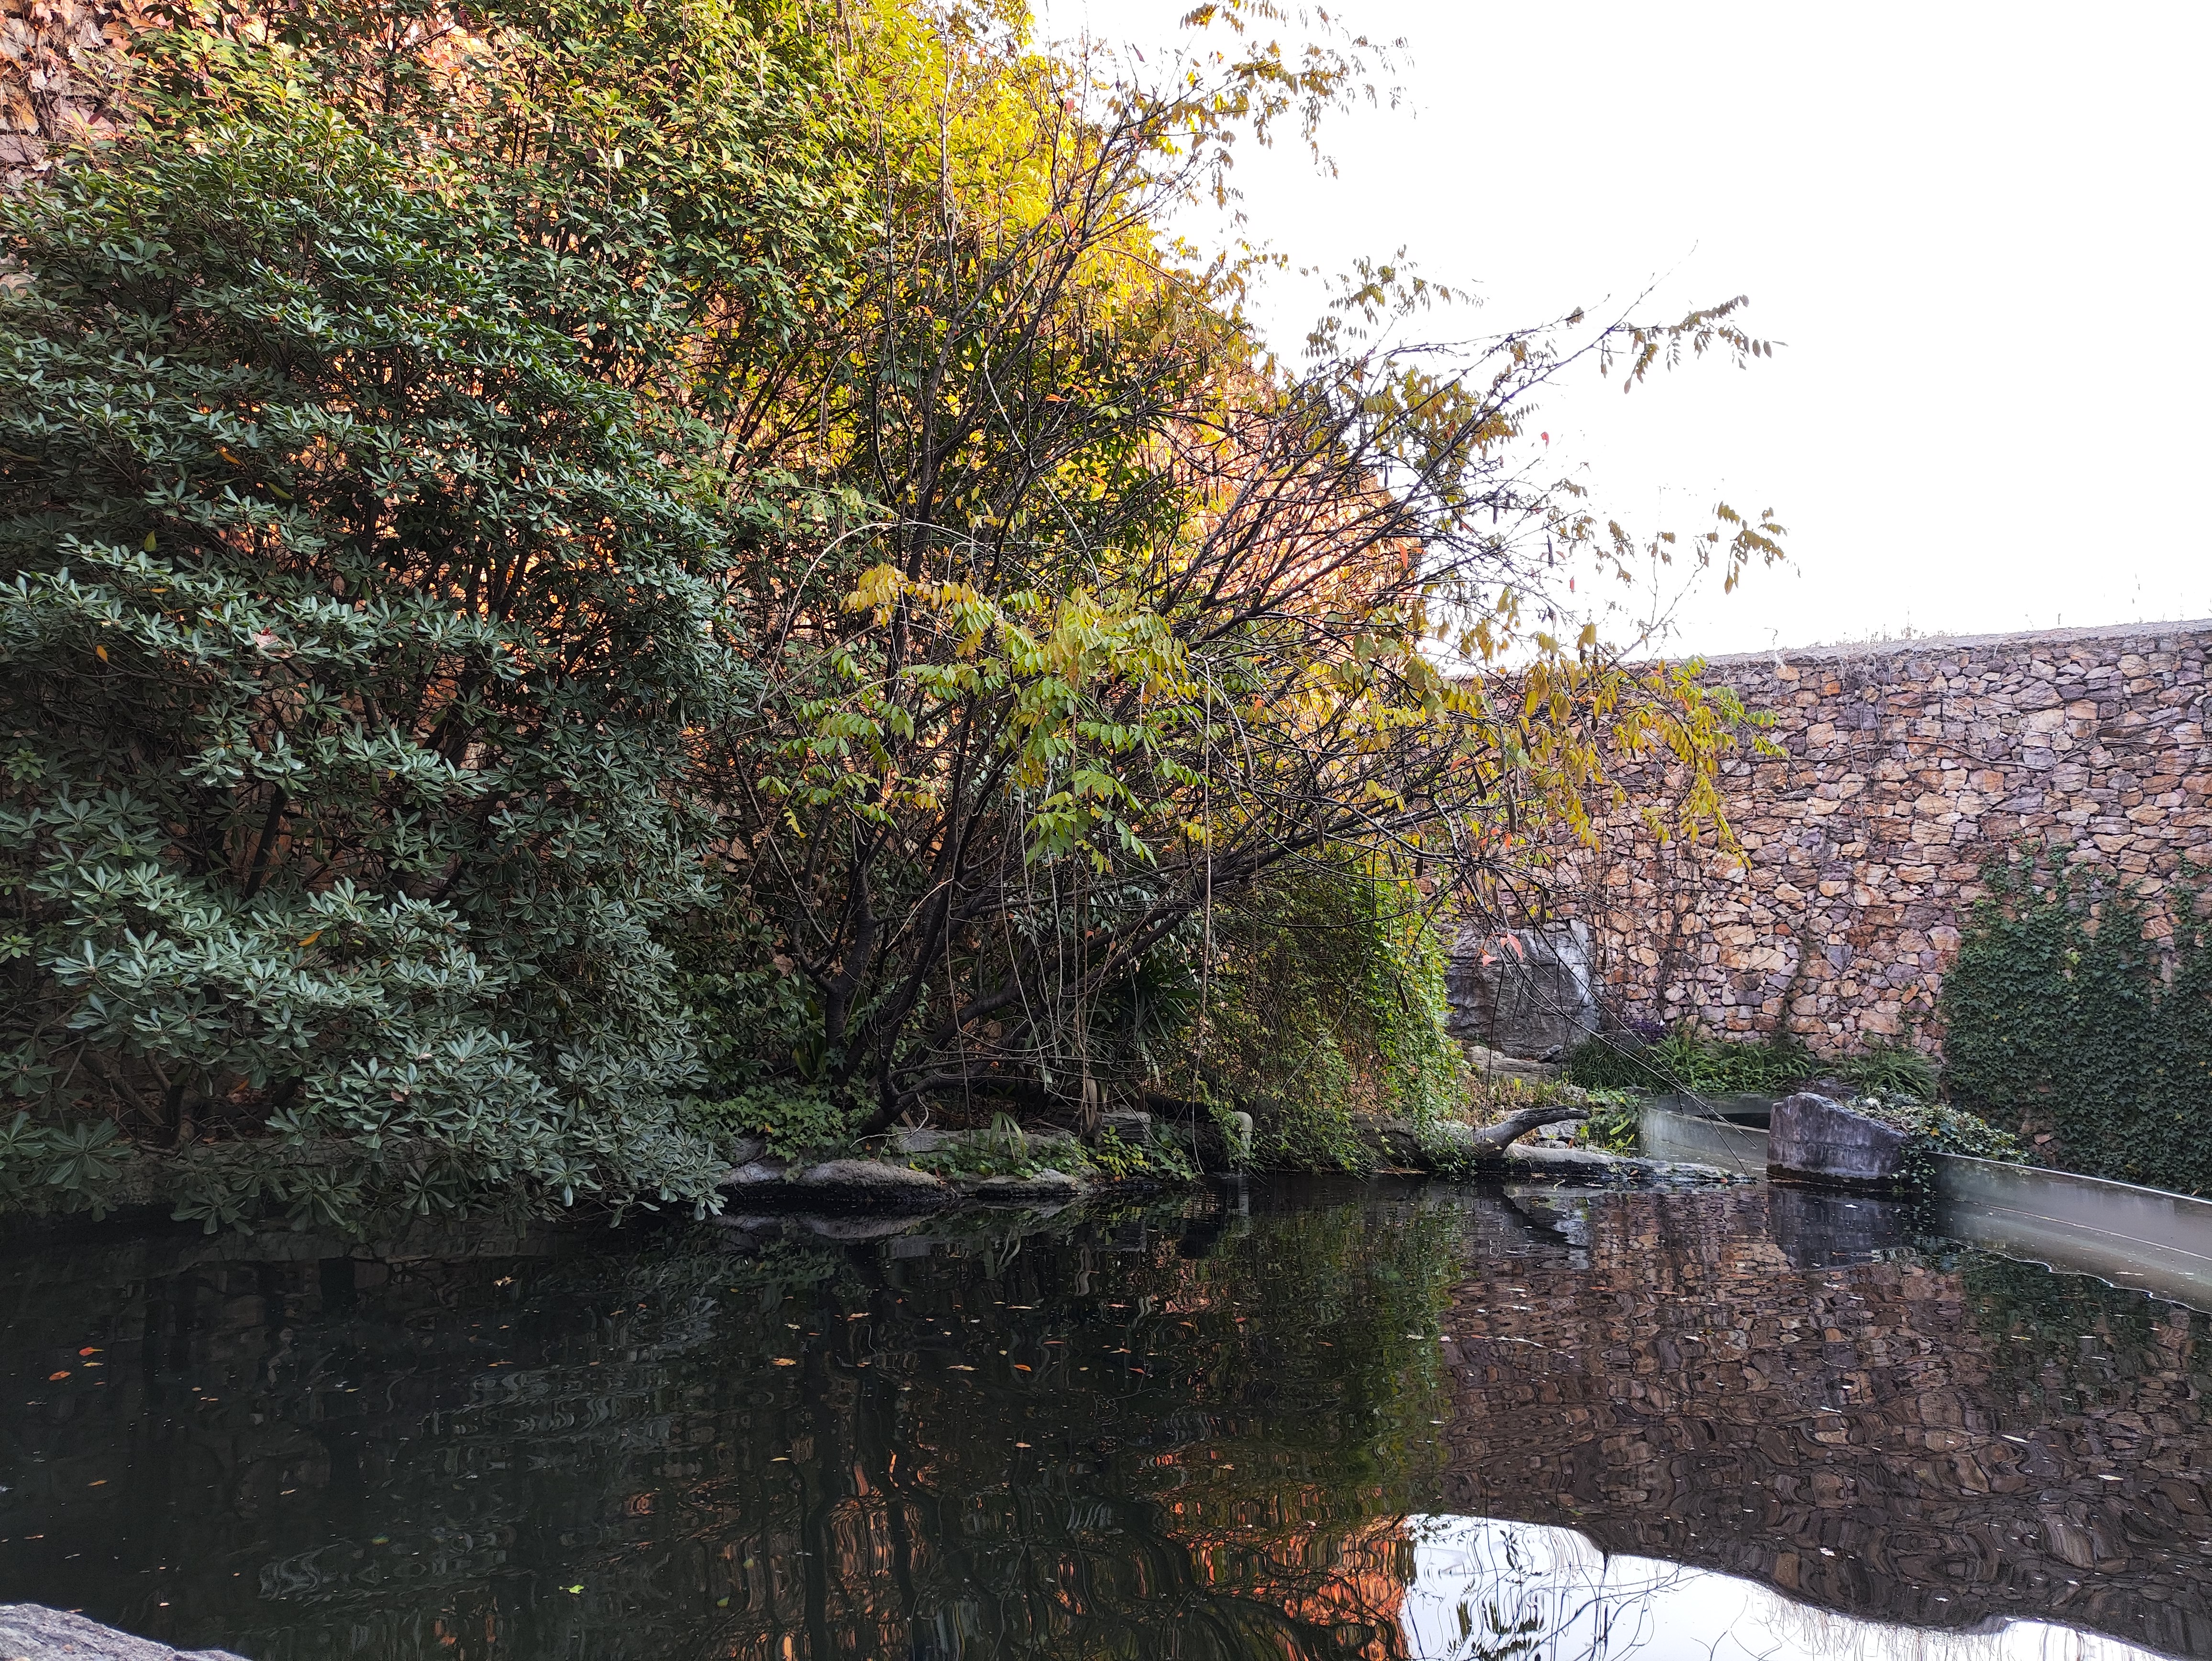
<point>1209,1448</point>
<point>774,1454</point>
<point>1498,1592</point>
<point>1120,1437</point>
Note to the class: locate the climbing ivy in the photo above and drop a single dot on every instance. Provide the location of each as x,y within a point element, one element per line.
<point>2064,1018</point>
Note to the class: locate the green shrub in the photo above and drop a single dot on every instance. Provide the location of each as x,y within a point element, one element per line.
<point>351,630</point>
<point>795,1123</point>
<point>1121,1161</point>
<point>1615,1122</point>
<point>1686,1059</point>
<point>2060,1013</point>
<point>1328,1002</point>
<point>1892,1072</point>
<point>1941,1128</point>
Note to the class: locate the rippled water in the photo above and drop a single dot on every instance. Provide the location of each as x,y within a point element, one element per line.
<point>1346,1421</point>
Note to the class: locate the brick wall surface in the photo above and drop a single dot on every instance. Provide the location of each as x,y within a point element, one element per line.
<point>1903,766</point>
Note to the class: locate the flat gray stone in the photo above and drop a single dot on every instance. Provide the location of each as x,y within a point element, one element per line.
<point>1814,1141</point>
<point>1132,1125</point>
<point>1495,1067</point>
<point>1576,1159</point>
<point>31,1632</point>
<point>1593,1164</point>
<point>872,1182</point>
<point>1039,1187</point>
<point>756,1173</point>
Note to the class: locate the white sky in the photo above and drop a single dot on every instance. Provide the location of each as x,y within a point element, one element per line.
<point>1982,231</point>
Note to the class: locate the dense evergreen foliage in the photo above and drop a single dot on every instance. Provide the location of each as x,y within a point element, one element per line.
<point>355,629</point>
<point>576,572</point>
<point>2063,1018</point>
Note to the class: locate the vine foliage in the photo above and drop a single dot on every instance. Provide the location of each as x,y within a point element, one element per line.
<point>2065,1017</point>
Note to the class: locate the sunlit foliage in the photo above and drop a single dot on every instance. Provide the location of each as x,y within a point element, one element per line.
<point>576,560</point>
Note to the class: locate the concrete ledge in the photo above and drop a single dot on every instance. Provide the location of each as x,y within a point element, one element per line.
<point>2142,1238</point>
<point>1666,1134</point>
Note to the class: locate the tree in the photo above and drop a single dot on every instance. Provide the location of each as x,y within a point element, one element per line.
<point>580,554</point>
<point>1126,617</point>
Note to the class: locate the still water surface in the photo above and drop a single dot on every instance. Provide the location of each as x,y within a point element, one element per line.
<point>1352,1421</point>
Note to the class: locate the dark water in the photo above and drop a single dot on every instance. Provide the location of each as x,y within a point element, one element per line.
<point>1358,1421</point>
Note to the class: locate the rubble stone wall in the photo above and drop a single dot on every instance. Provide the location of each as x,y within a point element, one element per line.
<point>1900,767</point>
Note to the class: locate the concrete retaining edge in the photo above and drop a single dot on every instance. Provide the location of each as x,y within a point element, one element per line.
<point>2141,1238</point>
<point>1671,1135</point>
<point>2144,1238</point>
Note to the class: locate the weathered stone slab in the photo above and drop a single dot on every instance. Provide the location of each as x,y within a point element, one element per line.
<point>1525,993</point>
<point>756,1173</point>
<point>1495,1067</point>
<point>873,1183</point>
<point>31,1632</point>
<point>1814,1141</point>
<point>1038,1188</point>
<point>1132,1125</point>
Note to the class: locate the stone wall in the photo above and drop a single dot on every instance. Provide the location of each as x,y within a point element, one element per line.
<point>1899,767</point>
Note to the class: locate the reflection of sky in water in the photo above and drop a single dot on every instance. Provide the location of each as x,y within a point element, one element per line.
<point>1519,1591</point>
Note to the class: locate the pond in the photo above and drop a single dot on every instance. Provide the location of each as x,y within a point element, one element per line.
<point>1310,1420</point>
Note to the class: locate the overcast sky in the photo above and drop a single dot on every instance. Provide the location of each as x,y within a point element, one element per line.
<point>1981,231</point>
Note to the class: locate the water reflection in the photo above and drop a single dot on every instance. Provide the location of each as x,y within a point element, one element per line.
<point>1200,1435</point>
<point>1483,1589</point>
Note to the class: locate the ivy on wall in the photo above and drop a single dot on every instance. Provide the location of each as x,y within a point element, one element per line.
<point>2062,1018</point>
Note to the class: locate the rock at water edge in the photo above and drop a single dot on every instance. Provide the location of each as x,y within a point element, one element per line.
<point>31,1632</point>
<point>1038,1188</point>
<point>1526,992</point>
<point>756,1173</point>
<point>1812,1140</point>
<point>871,1182</point>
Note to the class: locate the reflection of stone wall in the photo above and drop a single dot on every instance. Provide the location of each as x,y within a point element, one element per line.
<point>1905,764</point>
<point>1874,1440</point>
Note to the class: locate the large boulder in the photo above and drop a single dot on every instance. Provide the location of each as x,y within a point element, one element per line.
<point>756,1174</point>
<point>1815,1140</point>
<point>32,1632</point>
<point>1529,992</point>
<point>874,1183</point>
<point>1037,1187</point>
